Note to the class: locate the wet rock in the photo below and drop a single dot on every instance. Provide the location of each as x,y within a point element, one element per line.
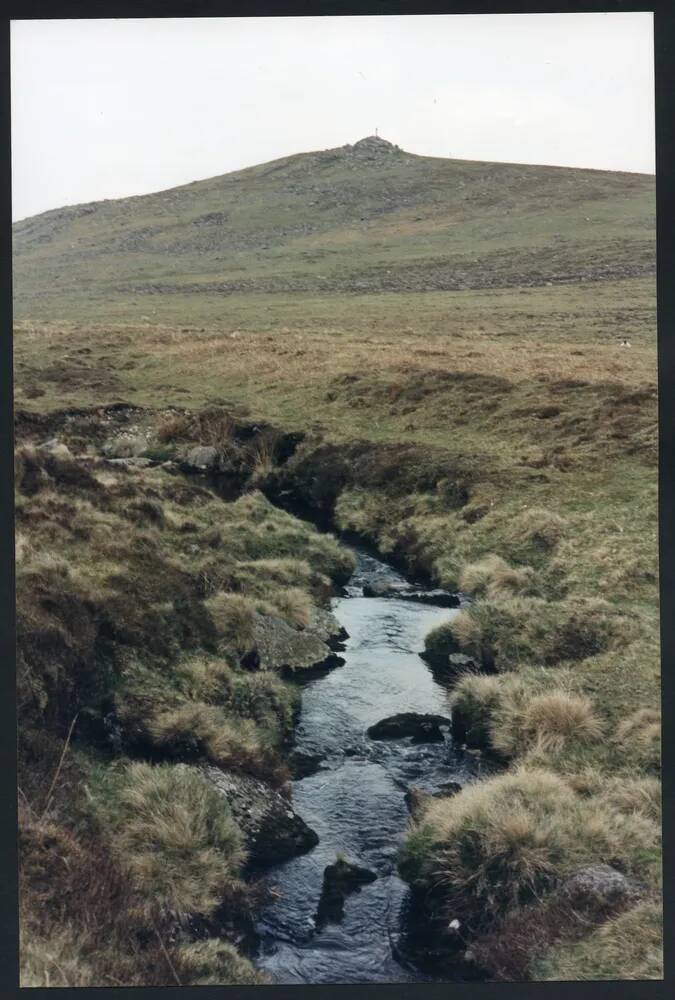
<point>383,588</point>
<point>273,831</point>
<point>303,765</point>
<point>202,457</point>
<point>447,789</point>
<point>422,728</point>
<point>599,890</point>
<point>470,730</point>
<point>448,667</point>
<point>339,881</point>
<point>416,799</point>
<point>281,647</point>
<point>437,598</point>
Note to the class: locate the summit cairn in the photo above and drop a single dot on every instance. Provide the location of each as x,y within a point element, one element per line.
<point>372,148</point>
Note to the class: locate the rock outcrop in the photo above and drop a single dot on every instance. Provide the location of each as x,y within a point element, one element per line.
<point>339,881</point>
<point>422,728</point>
<point>272,829</point>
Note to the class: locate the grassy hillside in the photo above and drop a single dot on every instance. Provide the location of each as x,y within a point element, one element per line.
<point>446,336</point>
<point>368,218</point>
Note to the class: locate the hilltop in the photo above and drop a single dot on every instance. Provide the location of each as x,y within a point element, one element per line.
<point>361,219</point>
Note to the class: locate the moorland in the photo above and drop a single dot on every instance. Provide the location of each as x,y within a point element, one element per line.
<point>456,363</point>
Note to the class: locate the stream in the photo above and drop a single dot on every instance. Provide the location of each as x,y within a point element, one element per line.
<point>355,802</point>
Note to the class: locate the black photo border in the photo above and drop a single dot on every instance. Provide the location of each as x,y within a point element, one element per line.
<point>664,32</point>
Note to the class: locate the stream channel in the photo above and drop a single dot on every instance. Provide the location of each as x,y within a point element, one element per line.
<point>355,801</point>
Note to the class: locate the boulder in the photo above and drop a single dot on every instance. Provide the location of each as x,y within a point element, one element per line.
<point>56,447</point>
<point>446,669</point>
<point>447,789</point>
<point>272,830</point>
<point>324,624</point>
<point>438,598</point>
<point>416,799</point>
<point>281,647</point>
<point>383,588</point>
<point>598,890</point>
<point>422,728</point>
<point>202,457</point>
<point>339,881</point>
<point>303,765</point>
<point>125,446</point>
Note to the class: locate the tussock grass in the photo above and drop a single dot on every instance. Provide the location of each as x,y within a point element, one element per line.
<point>640,732</point>
<point>516,716</point>
<point>537,527</point>
<point>627,947</point>
<point>196,729</point>
<point>295,605</point>
<point>81,920</point>
<point>506,632</point>
<point>492,576</point>
<point>509,839</point>
<point>545,722</point>
<point>215,963</point>
<point>233,616</point>
<point>173,833</point>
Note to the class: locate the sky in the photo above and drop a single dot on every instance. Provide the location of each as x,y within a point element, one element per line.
<point>114,107</point>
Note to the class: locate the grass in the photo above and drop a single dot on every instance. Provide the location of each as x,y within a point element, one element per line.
<point>173,833</point>
<point>120,581</point>
<point>463,404</point>
<point>630,946</point>
<point>514,717</point>
<point>508,840</point>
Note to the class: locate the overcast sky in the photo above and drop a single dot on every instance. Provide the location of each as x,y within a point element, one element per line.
<point>110,108</point>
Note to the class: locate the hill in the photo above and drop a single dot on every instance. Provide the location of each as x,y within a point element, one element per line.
<point>361,219</point>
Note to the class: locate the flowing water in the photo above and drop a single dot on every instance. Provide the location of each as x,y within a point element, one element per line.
<point>355,802</point>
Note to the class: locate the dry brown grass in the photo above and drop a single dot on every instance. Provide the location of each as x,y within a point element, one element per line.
<point>194,729</point>
<point>641,732</point>
<point>492,576</point>
<point>514,717</point>
<point>627,947</point>
<point>509,839</point>
<point>173,833</point>
<point>545,722</point>
<point>294,604</point>
<point>215,963</point>
<point>233,616</point>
